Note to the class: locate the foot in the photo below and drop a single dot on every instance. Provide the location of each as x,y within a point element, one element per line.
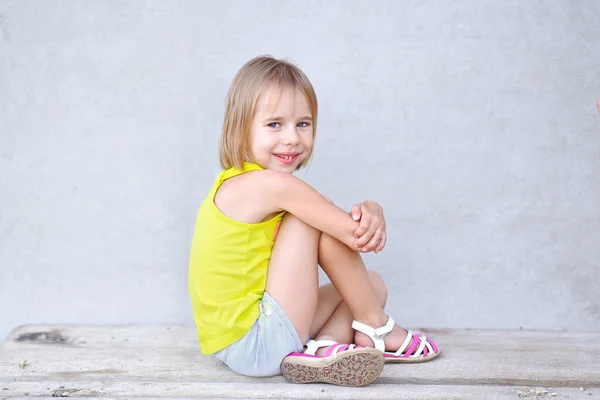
<point>392,340</point>
<point>342,364</point>
<point>396,344</point>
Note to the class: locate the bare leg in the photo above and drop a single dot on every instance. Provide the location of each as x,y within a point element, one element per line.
<point>329,301</point>
<point>292,278</point>
<point>347,272</point>
<point>293,282</point>
<point>338,326</point>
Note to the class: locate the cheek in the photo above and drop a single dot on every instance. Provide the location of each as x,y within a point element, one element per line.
<point>308,140</point>
<point>262,143</point>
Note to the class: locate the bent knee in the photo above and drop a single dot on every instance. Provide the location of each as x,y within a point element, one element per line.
<point>378,285</point>
<point>290,220</point>
<point>293,226</point>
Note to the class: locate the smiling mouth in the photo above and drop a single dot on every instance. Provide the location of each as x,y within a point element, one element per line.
<point>287,158</point>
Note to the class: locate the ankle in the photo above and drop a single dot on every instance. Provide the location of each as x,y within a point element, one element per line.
<point>375,320</point>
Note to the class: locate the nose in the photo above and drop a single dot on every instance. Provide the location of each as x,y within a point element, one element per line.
<point>290,136</point>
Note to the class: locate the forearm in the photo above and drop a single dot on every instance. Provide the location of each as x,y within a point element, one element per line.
<point>308,205</point>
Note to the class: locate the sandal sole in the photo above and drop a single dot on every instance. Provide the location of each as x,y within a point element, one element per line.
<point>399,360</point>
<point>358,367</point>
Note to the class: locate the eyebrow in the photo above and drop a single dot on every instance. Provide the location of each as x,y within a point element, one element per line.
<point>276,118</point>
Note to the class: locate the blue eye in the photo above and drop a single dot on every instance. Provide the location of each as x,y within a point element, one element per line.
<point>274,125</point>
<point>302,124</point>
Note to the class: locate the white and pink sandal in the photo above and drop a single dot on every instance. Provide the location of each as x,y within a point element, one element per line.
<point>342,364</point>
<point>420,349</point>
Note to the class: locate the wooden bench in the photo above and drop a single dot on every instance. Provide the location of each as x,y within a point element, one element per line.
<point>165,362</point>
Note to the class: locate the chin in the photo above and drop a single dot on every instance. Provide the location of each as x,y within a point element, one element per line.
<point>288,170</point>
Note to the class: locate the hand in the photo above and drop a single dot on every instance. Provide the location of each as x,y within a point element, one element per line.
<point>370,234</point>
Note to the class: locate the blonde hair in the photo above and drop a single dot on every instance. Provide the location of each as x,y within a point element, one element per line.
<point>249,83</point>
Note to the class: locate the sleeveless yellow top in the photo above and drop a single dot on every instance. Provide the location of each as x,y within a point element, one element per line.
<point>228,270</point>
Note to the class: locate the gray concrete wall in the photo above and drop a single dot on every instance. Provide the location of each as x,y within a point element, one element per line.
<point>473,123</point>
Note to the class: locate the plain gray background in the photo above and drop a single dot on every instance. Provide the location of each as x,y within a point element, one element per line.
<point>473,123</point>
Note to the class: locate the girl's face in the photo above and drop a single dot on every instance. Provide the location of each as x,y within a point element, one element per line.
<point>281,135</point>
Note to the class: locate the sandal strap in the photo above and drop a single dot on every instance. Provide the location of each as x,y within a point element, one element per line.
<point>313,345</point>
<point>420,345</point>
<point>425,348</point>
<point>376,334</point>
<point>404,344</point>
<point>332,350</point>
<point>333,347</point>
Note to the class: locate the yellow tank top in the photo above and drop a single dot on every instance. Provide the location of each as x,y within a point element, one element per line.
<point>228,270</point>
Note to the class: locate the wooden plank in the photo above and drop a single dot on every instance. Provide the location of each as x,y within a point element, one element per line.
<point>208,390</point>
<point>164,358</point>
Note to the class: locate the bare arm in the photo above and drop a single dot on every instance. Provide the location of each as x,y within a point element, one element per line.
<point>288,193</point>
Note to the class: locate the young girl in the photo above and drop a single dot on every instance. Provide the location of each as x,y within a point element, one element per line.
<point>259,238</point>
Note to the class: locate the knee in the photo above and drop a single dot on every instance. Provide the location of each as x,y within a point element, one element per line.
<point>379,286</point>
<point>292,226</point>
<point>290,221</point>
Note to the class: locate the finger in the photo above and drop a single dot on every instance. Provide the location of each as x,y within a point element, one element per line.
<point>363,240</point>
<point>381,244</point>
<point>364,236</point>
<point>372,244</point>
<point>356,212</point>
<point>367,235</point>
<point>365,223</point>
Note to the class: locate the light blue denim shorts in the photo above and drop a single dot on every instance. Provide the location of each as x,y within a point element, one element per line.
<point>260,351</point>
